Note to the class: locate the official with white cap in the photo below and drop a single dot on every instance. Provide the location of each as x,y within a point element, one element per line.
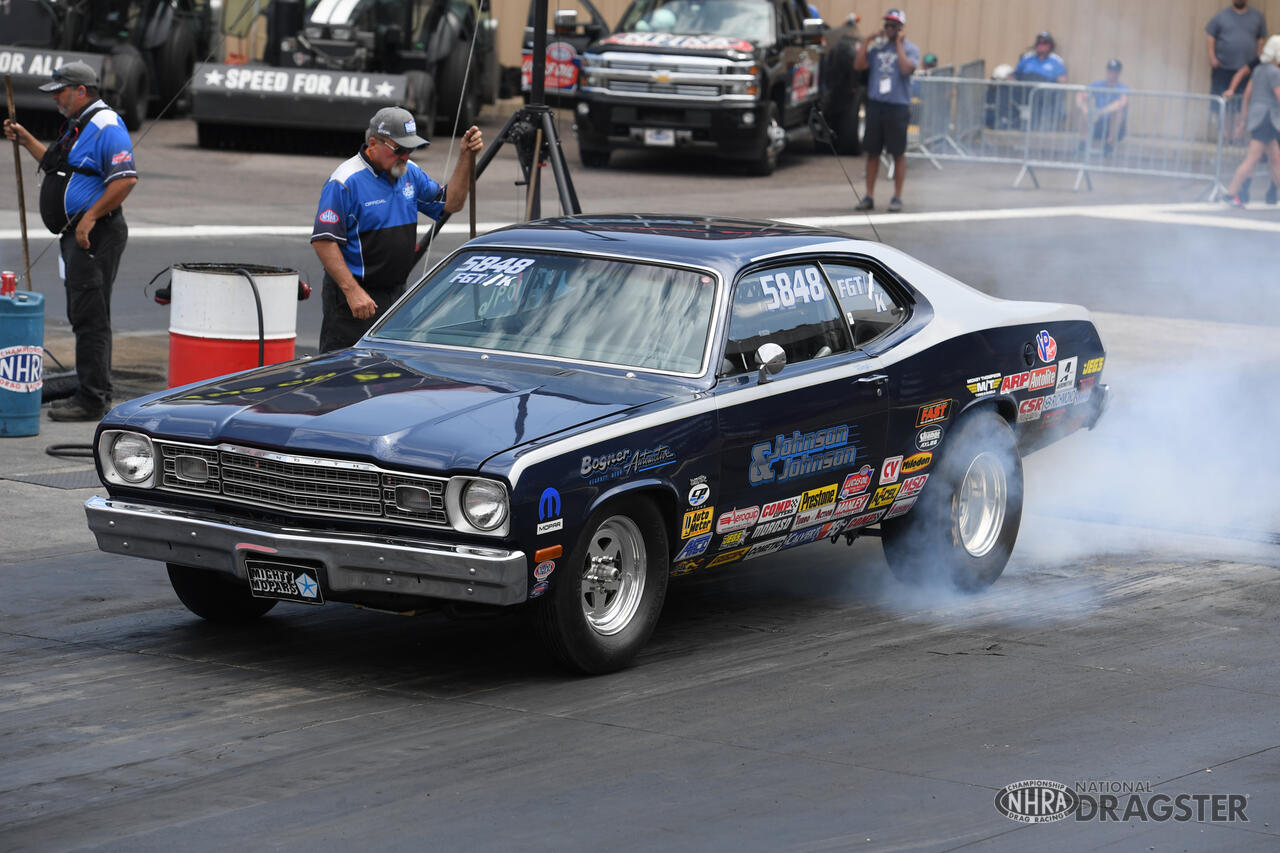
<point>366,224</point>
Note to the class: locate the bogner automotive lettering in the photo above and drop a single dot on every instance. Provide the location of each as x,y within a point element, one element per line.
<point>801,454</point>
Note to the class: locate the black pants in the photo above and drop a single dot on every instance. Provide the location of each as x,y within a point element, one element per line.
<point>340,328</point>
<point>89,277</point>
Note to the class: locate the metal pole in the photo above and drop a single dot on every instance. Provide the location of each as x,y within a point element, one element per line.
<point>532,192</point>
<point>471,201</point>
<point>17,171</point>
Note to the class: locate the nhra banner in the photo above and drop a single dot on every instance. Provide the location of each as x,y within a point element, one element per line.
<point>31,67</point>
<point>291,97</point>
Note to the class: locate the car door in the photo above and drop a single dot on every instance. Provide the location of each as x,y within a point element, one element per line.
<point>800,449</point>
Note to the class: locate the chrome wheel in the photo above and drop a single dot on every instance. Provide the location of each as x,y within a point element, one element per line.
<point>613,575</point>
<point>980,504</point>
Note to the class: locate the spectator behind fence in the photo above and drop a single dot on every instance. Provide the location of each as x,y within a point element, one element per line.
<point>1041,64</point>
<point>1105,108</point>
<point>890,60</point>
<point>929,62</point>
<point>1262,111</point>
<point>1235,36</point>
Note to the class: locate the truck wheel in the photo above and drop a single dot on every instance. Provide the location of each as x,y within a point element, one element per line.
<point>963,527</point>
<point>210,595</point>
<point>132,91</point>
<point>594,158</point>
<point>175,61</point>
<point>421,95</point>
<point>602,609</point>
<point>461,102</point>
<point>847,130</point>
<point>775,140</point>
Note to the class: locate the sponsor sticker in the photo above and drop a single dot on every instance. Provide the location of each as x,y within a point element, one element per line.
<point>1093,365</point>
<point>789,457</point>
<point>912,486</point>
<point>1060,399</point>
<point>802,537</point>
<point>22,368</point>
<point>624,463</point>
<point>864,519</point>
<point>981,386</point>
<point>1015,382</point>
<point>683,568</point>
<point>736,519</point>
<point>814,516</point>
<point>728,557</point>
<point>779,509</point>
<point>1046,346</point>
<point>890,469</point>
<point>831,528</point>
<point>818,497</point>
<point>849,506</point>
<point>1042,377</point>
<point>543,570</point>
<point>856,482</point>
<point>900,507</point>
<point>1066,373</point>
<point>694,546</point>
<point>699,494</point>
<point>1029,410</point>
<point>697,522</point>
<point>916,462</point>
<point>550,526</point>
<point>538,589</point>
<point>761,548</point>
<point>771,528</point>
<point>884,496</point>
<point>548,510</point>
<point>928,438</point>
<point>933,412</point>
<point>732,540</point>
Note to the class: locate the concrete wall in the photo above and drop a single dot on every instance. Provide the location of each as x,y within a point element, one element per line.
<point>1161,42</point>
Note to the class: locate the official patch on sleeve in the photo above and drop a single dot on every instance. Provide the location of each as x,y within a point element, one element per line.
<point>328,216</point>
<point>122,157</point>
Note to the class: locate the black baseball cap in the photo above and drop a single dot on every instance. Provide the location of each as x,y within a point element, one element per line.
<point>1114,65</point>
<point>71,74</point>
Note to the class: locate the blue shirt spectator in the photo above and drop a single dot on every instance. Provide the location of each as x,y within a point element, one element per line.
<point>1041,65</point>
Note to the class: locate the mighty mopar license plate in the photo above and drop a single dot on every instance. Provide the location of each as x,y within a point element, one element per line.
<point>284,581</point>
<point>660,137</point>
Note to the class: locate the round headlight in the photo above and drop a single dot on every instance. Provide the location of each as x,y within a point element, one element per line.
<point>133,458</point>
<point>484,504</point>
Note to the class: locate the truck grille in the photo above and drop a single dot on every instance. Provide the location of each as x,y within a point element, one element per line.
<point>705,79</point>
<point>299,484</point>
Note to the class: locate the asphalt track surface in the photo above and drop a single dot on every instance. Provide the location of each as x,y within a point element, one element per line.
<point>805,703</point>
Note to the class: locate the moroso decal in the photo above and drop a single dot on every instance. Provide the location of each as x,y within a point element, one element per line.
<point>980,386</point>
<point>928,438</point>
<point>736,519</point>
<point>857,482</point>
<point>916,462</point>
<point>771,528</point>
<point>912,485</point>
<point>884,496</point>
<point>890,470</point>
<point>697,522</point>
<point>800,455</point>
<point>695,546</point>
<point>728,557</point>
<point>933,412</point>
<point>1046,346</point>
<point>1093,365</point>
<point>900,507</point>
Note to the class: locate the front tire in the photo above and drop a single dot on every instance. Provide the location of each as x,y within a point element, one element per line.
<point>213,596</point>
<point>964,525</point>
<point>600,612</point>
<point>775,140</point>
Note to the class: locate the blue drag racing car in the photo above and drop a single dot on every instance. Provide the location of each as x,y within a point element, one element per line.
<point>563,414</point>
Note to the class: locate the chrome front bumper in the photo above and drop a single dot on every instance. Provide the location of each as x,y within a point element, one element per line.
<point>353,563</point>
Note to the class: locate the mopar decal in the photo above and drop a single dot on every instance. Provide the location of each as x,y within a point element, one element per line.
<point>548,512</point>
<point>697,522</point>
<point>800,454</point>
<point>933,412</point>
<point>623,463</point>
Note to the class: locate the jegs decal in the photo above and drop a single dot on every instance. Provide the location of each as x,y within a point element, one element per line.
<point>1093,365</point>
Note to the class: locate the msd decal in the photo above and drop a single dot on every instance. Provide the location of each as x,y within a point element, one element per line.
<point>1046,346</point>
<point>857,482</point>
<point>736,519</point>
<point>981,386</point>
<point>933,412</point>
<point>912,486</point>
<point>890,470</point>
<point>697,522</point>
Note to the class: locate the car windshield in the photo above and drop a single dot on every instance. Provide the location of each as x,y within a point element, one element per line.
<point>614,312</point>
<point>751,20</point>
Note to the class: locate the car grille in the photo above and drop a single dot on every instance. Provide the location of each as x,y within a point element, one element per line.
<point>705,79</point>
<point>299,484</point>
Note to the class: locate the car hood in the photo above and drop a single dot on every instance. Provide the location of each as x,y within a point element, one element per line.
<point>415,410</point>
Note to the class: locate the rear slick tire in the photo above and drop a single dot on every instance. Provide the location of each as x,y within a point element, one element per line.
<point>605,600</point>
<point>963,527</point>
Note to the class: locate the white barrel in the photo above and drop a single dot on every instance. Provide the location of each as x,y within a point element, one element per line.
<point>214,301</point>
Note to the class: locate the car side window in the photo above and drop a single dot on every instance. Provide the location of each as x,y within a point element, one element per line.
<point>868,307</point>
<point>790,306</point>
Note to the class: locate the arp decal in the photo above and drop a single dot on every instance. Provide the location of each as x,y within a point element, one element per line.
<point>543,570</point>
<point>779,509</point>
<point>849,506</point>
<point>697,522</point>
<point>761,548</point>
<point>890,470</point>
<point>1066,374</point>
<point>900,508</point>
<point>933,412</point>
<point>916,462</point>
<point>772,528</point>
<point>548,510</point>
<point>1093,365</point>
<point>928,438</point>
<point>800,455</point>
<point>1015,382</point>
<point>884,496</point>
<point>736,519</point>
<point>694,546</point>
<point>912,486</point>
<point>864,519</point>
<point>857,482</point>
<point>1042,377</point>
<point>1046,346</point>
<point>699,494</point>
<point>728,557</point>
<point>1029,410</point>
<point>981,386</point>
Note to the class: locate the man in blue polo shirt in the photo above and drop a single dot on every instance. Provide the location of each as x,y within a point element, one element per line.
<point>367,222</point>
<point>88,173</point>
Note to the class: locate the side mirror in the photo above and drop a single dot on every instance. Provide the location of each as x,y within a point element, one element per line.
<point>771,359</point>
